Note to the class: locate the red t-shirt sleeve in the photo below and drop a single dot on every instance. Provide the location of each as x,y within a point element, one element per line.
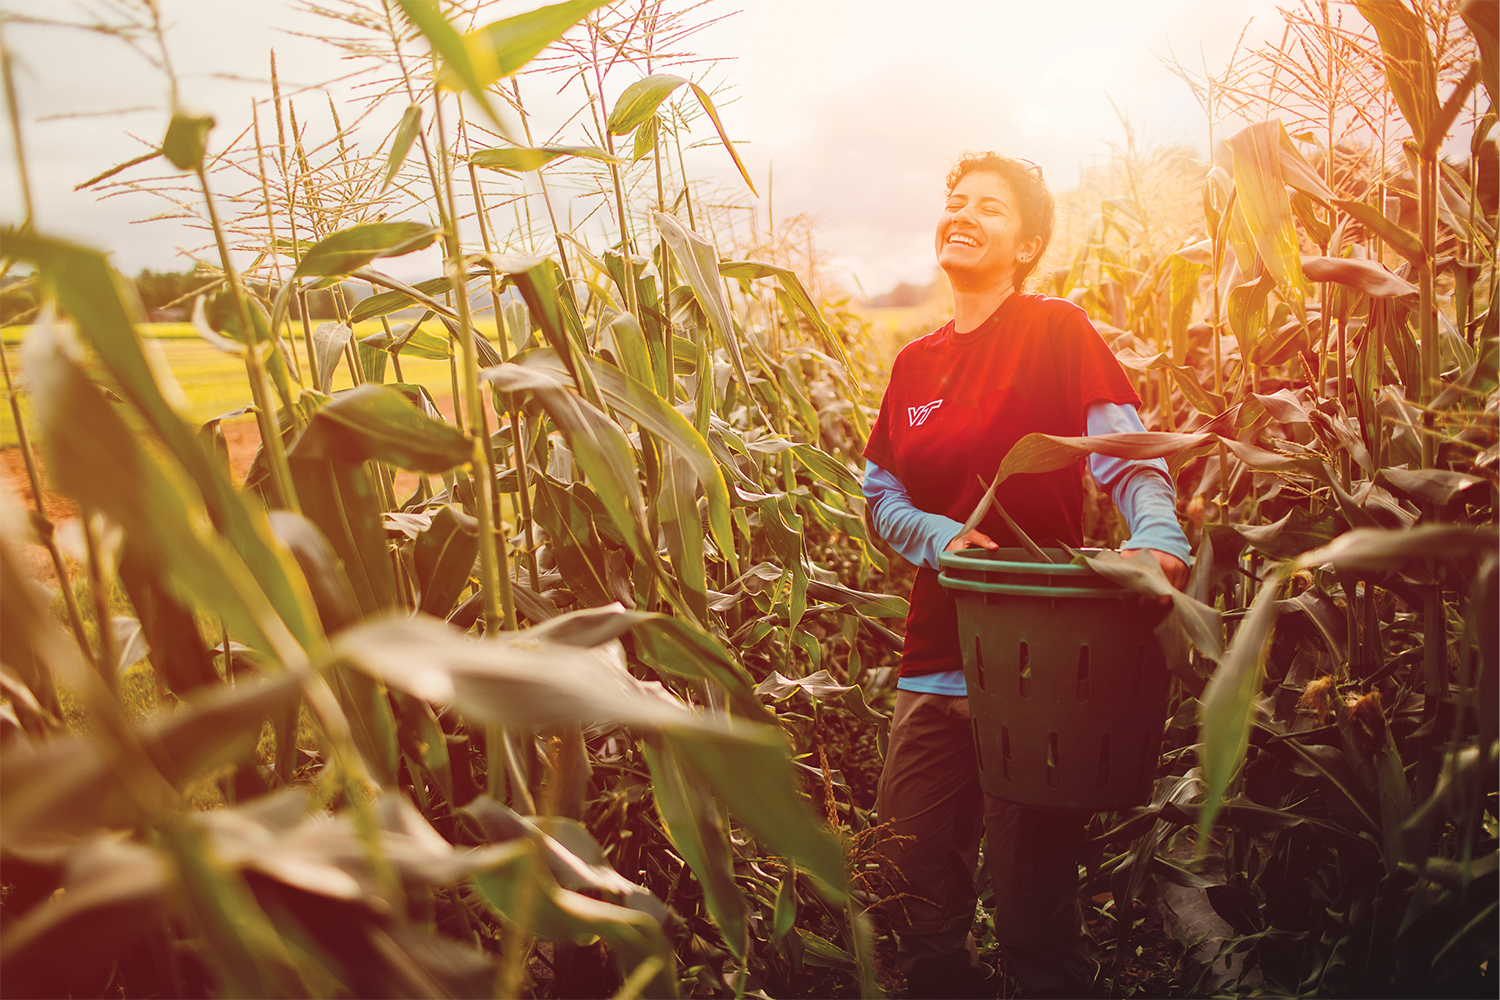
<point>878,448</point>
<point>1100,377</point>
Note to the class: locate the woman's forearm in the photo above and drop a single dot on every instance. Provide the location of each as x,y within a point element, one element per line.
<point>917,535</point>
<point>1140,488</point>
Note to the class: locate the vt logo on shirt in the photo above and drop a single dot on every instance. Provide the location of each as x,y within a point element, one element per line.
<point>917,415</point>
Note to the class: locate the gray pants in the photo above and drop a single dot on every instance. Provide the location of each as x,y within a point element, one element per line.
<point>930,794</point>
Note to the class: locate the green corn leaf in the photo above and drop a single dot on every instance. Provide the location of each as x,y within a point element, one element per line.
<point>791,285</point>
<point>1188,381</point>
<point>444,555</point>
<point>385,303</point>
<point>1229,700</point>
<point>682,528</point>
<point>367,706</point>
<point>186,142</point>
<point>502,48</point>
<point>785,914</point>
<point>1364,275</point>
<point>1437,486</point>
<point>537,279</point>
<point>320,564</point>
<point>645,140</point>
<point>1483,20</point>
<point>420,342</point>
<point>460,68</point>
<point>329,340</point>
<point>692,821</point>
<point>1372,549</point>
<point>406,134</point>
<point>351,249</point>
<point>599,446</point>
<point>713,116</point>
<point>1260,181</point>
<point>640,100</point>
<point>1046,453</point>
<point>1443,120</point>
<point>518,681</point>
<point>824,953</point>
<point>378,422</point>
<point>178,653</point>
<point>411,341</point>
<point>518,886</point>
<point>1407,60</point>
<point>829,469</point>
<point>671,645</point>
<point>95,457</point>
<point>632,351</point>
<point>575,542</point>
<point>700,263</point>
<point>67,786</point>
<point>1143,574</point>
<point>1408,245</point>
<point>520,159</point>
<point>748,770</point>
<point>341,500</point>
<point>1248,313</point>
<point>640,403</point>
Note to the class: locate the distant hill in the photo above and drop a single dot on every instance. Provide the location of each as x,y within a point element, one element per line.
<point>904,296</point>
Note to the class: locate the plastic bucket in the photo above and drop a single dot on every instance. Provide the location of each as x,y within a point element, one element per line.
<point>1067,683</point>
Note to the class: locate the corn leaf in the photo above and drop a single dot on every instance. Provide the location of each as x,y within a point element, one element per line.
<point>692,821</point>
<point>1229,699</point>
<point>350,249</point>
<point>406,134</point>
<point>378,422</point>
<point>1408,245</point>
<point>186,141</point>
<point>444,557</point>
<point>520,159</point>
<point>1407,60</point>
<point>700,263</point>
<point>1264,163</point>
<point>1364,275</point>
<point>713,116</point>
<point>640,100</point>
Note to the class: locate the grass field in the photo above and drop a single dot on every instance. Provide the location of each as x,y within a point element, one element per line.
<point>215,382</point>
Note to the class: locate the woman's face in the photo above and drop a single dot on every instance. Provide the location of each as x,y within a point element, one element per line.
<point>979,233</point>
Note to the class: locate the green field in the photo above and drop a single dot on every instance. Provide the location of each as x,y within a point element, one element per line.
<point>215,382</point>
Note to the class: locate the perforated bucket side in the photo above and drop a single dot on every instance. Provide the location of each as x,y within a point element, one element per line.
<point>1067,694</point>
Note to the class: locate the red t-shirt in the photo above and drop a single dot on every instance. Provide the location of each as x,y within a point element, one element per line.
<point>956,403</point>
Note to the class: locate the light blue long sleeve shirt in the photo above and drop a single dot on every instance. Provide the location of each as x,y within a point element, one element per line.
<point>1141,490</point>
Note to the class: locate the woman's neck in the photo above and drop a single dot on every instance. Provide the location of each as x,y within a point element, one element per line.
<point>973,307</point>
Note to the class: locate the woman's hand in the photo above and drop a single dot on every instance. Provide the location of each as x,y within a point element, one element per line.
<point>975,539</point>
<point>1175,569</point>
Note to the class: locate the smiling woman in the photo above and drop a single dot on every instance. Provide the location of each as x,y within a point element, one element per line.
<point>1009,363</point>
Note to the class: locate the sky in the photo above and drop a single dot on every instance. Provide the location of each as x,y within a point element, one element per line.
<point>848,111</point>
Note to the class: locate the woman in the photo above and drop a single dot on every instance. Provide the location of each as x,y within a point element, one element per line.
<point>1008,364</point>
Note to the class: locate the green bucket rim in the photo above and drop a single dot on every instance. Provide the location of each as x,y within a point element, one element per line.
<point>1023,590</point>
<point>994,561</point>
